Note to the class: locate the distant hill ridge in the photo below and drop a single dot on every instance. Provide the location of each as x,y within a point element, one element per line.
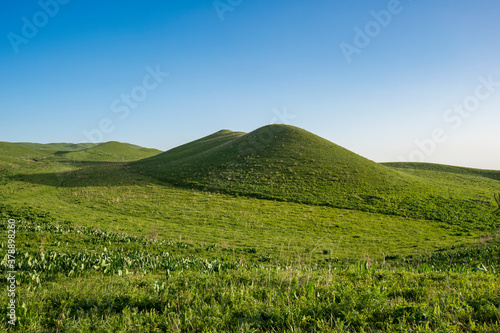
<point>111,151</point>
<point>493,174</point>
<point>61,146</point>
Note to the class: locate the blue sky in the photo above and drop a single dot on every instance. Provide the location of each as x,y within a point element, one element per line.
<point>390,80</point>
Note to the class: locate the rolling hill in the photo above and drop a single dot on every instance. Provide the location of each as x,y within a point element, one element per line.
<point>8,149</point>
<point>111,151</point>
<point>279,162</point>
<point>416,166</point>
<point>14,154</point>
<point>55,147</point>
<point>286,163</point>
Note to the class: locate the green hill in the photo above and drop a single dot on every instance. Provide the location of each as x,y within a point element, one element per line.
<point>12,150</point>
<point>108,152</point>
<point>15,154</point>
<point>25,152</point>
<point>286,163</point>
<point>274,162</point>
<point>62,146</point>
<point>406,166</point>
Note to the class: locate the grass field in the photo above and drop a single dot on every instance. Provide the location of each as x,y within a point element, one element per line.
<point>275,230</point>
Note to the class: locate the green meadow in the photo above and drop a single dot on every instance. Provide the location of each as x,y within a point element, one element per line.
<point>277,230</point>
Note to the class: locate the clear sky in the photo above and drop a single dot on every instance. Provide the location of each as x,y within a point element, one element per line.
<point>389,80</point>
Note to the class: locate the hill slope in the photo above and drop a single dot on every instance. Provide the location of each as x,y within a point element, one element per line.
<point>12,150</point>
<point>11,153</point>
<point>275,162</point>
<point>109,152</point>
<point>198,146</point>
<point>61,146</point>
<point>415,166</point>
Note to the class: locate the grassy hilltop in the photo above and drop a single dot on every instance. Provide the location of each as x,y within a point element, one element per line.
<point>270,231</point>
<point>274,162</point>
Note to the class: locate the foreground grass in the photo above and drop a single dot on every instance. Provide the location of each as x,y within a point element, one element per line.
<point>87,280</point>
<point>296,232</point>
<point>266,299</point>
